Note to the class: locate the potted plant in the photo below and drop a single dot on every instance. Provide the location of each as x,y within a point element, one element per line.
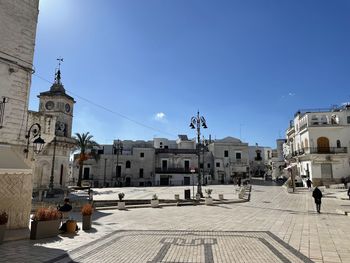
<point>221,196</point>
<point>3,222</point>
<point>121,203</point>
<point>86,212</point>
<point>154,201</point>
<point>208,199</point>
<point>177,196</point>
<point>45,223</point>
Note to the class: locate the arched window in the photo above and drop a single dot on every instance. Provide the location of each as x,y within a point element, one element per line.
<point>338,144</point>
<point>128,164</point>
<point>322,145</point>
<point>306,143</point>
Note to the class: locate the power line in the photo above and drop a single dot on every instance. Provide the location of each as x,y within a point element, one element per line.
<point>109,110</point>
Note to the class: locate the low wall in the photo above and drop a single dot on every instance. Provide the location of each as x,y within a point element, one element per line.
<point>15,198</point>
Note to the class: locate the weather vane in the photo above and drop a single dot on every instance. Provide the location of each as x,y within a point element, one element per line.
<point>60,59</point>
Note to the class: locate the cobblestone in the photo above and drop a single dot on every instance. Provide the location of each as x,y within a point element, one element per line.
<point>273,227</point>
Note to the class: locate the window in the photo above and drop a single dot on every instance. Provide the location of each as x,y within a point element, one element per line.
<point>142,155</point>
<point>86,173</point>
<point>208,165</point>
<point>201,165</point>
<point>164,164</point>
<point>128,164</point>
<point>348,119</point>
<point>217,164</point>
<point>338,144</point>
<point>141,173</point>
<point>238,156</point>
<point>187,164</point>
<point>166,147</point>
<point>225,153</point>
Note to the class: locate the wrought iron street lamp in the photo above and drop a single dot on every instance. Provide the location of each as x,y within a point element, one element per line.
<point>196,123</point>
<point>118,149</point>
<point>51,192</point>
<point>38,143</point>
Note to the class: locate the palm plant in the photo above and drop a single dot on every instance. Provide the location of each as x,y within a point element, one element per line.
<point>84,142</point>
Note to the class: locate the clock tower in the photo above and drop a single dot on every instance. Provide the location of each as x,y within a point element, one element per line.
<point>57,103</point>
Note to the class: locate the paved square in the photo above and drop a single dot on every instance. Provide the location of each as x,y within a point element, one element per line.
<point>187,246</point>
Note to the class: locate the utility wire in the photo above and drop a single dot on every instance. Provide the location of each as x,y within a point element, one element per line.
<point>109,110</point>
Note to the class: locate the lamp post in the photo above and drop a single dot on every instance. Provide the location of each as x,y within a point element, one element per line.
<point>118,148</point>
<point>51,193</point>
<point>196,122</point>
<point>38,143</point>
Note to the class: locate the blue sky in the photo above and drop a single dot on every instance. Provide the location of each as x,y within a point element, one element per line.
<point>247,65</point>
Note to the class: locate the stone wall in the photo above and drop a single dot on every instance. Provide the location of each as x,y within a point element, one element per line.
<point>18,21</point>
<point>16,197</point>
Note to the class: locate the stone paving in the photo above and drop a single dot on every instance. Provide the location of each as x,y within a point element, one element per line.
<point>273,227</point>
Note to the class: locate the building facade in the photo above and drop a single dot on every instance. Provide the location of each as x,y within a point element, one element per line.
<point>317,144</point>
<point>163,162</point>
<point>18,22</point>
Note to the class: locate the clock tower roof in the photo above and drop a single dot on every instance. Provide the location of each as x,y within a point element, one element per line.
<point>57,88</point>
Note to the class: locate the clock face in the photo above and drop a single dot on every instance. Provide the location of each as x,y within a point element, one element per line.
<point>49,105</point>
<point>67,107</point>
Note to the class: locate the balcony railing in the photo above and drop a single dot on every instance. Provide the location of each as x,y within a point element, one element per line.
<point>320,150</point>
<point>169,170</point>
<point>177,151</point>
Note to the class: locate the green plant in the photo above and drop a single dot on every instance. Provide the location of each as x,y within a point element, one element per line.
<point>155,197</point>
<point>46,214</point>
<point>121,196</point>
<point>208,191</point>
<point>87,210</point>
<point>3,218</point>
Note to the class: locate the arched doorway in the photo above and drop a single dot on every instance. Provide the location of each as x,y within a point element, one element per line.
<point>322,145</point>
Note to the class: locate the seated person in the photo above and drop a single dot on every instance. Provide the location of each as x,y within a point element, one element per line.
<point>66,207</point>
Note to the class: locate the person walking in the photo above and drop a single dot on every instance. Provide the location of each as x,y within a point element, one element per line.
<point>308,183</point>
<point>349,192</point>
<point>317,195</point>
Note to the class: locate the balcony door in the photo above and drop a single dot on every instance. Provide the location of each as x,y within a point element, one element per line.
<point>164,165</point>
<point>322,145</point>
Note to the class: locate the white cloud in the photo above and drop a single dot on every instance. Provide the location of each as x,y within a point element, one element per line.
<point>160,116</point>
<point>291,94</point>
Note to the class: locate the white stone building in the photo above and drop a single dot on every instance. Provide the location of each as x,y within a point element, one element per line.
<point>259,160</point>
<point>18,21</point>
<point>317,144</point>
<point>167,162</point>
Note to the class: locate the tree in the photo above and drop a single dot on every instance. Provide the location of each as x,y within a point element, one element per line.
<point>83,143</point>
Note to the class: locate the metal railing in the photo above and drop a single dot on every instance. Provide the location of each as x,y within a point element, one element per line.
<point>172,170</point>
<point>177,151</point>
<point>320,150</point>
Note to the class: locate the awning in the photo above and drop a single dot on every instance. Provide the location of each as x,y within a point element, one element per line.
<point>11,162</point>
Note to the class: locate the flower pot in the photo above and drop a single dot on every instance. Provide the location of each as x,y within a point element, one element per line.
<point>155,203</point>
<point>177,196</point>
<point>221,196</point>
<point>2,232</point>
<point>43,229</point>
<point>87,222</point>
<point>71,226</point>
<point>208,201</point>
<point>121,205</point>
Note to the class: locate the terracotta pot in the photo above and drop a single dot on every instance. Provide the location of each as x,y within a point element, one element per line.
<point>71,226</point>
<point>86,222</point>
<point>208,201</point>
<point>43,229</point>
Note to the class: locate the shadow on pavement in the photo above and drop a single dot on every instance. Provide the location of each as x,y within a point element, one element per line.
<point>31,251</point>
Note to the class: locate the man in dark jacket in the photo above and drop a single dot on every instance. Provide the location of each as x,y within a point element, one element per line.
<point>317,195</point>
<point>308,183</point>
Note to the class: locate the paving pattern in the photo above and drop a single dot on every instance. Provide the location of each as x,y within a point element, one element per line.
<point>273,227</point>
<point>188,246</point>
